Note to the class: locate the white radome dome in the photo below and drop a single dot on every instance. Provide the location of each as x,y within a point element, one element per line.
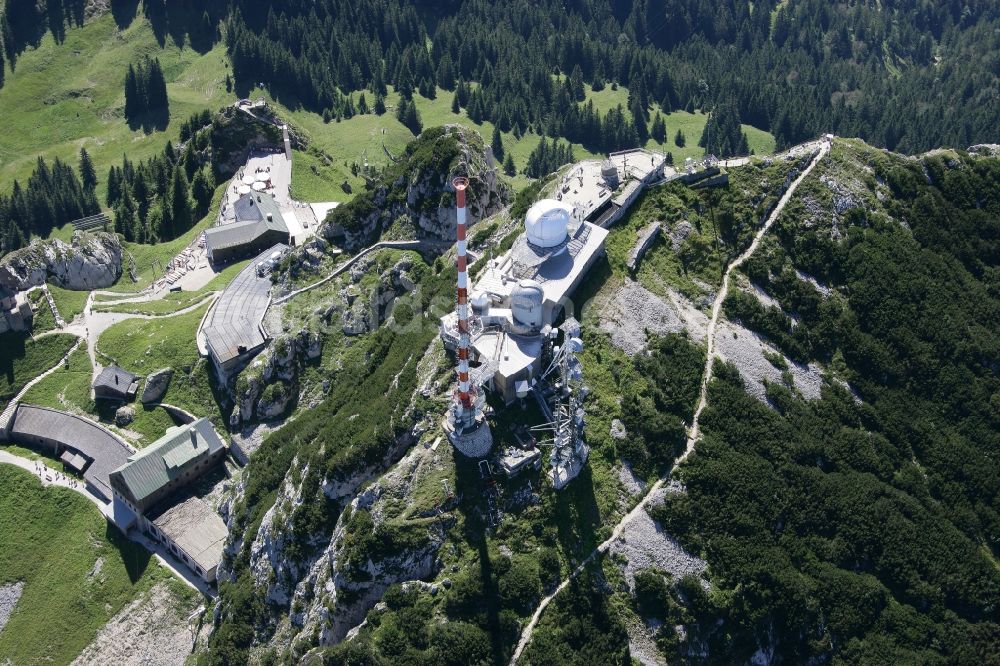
<point>546,223</point>
<point>526,301</point>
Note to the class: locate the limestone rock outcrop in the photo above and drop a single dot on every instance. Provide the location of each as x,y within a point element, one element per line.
<point>93,260</point>
<point>419,187</point>
<point>266,388</point>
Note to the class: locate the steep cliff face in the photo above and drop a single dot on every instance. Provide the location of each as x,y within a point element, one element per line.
<point>266,388</point>
<point>93,260</point>
<point>419,188</point>
<point>294,514</point>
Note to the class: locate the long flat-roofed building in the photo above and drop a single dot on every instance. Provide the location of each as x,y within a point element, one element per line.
<point>233,331</point>
<point>193,532</point>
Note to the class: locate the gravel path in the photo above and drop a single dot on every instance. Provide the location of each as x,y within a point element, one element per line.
<point>640,508</point>
<point>723,292</point>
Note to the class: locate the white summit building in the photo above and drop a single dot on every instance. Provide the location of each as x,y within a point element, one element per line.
<point>521,294</point>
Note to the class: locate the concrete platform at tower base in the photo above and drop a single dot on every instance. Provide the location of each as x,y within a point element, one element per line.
<point>471,443</point>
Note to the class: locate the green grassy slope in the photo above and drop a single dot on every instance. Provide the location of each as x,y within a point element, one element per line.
<point>22,359</point>
<point>62,97</point>
<point>360,139</point>
<point>68,388</point>
<point>69,303</point>
<point>77,571</point>
<point>144,345</point>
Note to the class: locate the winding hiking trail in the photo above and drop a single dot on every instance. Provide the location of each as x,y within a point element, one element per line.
<point>693,432</point>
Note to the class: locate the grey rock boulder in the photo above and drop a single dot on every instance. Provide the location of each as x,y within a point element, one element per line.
<point>92,261</point>
<point>156,385</point>
<point>124,416</point>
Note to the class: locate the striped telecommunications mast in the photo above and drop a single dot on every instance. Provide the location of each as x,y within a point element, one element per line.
<point>464,393</point>
<point>466,424</point>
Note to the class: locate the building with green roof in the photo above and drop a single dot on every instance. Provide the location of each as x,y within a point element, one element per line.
<point>152,487</point>
<point>179,457</point>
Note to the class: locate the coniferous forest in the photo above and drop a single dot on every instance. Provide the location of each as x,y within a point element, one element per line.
<point>890,72</point>
<point>893,73</point>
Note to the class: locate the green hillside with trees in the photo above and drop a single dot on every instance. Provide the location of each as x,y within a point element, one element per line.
<point>858,524</point>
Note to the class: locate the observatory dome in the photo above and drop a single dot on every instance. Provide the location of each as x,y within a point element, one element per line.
<point>546,223</point>
<point>526,303</point>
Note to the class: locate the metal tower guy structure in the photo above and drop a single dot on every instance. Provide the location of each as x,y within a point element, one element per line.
<point>569,448</point>
<point>466,424</point>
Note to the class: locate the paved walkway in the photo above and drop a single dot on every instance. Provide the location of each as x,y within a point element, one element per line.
<point>398,245</point>
<point>693,432</point>
<point>95,323</point>
<point>50,477</point>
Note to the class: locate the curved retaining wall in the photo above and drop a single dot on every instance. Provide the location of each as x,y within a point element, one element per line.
<point>54,432</point>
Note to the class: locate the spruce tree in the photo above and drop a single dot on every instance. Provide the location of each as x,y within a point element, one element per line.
<point>408,115</point>
<point>156,91</point>
<point>125,216</point>
<point>639,121</point>
<point>508,166</point>
<point>659,129</point>
<point>180,205</point>
<point>114,187</point>
<point>201,189</point>
<point>497,144</point>
<point>141,194</point>
<point>576,84</point>
<point>679,139</point>
<point>133,105</point>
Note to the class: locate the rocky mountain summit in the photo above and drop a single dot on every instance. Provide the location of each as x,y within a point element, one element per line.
<point>417,188</point>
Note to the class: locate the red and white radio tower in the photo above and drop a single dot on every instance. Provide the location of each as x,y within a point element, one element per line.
<point>464,394</point>
<point>466,425</point>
